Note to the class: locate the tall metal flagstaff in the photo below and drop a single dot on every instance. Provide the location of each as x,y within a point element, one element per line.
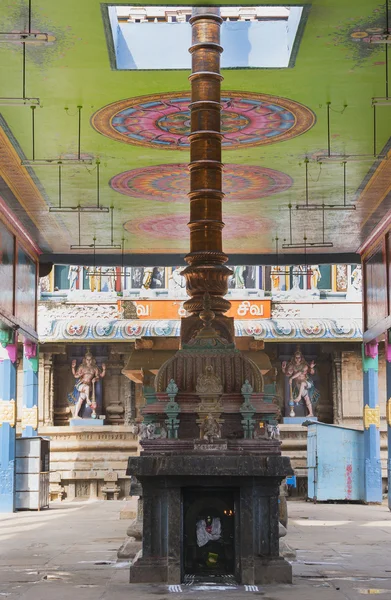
<point>206,271</point>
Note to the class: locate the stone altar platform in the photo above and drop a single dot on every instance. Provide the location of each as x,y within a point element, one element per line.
<point>82,457</point>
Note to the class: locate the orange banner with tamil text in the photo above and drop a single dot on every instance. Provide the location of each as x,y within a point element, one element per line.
<point>173,309</point>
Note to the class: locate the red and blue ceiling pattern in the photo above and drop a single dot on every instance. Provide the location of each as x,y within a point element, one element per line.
<point>163,120</point>
<point>170,182</point>
<point>237,227</point>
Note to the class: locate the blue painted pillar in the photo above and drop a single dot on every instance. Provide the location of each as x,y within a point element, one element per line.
<point>388,411</point>
<point>8,357</point>
<point>30,390</point>
<point>372,464</point>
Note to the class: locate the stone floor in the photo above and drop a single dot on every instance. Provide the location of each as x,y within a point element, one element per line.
<point>69,552</point>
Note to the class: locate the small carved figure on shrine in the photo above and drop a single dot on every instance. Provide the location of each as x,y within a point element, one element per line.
<point>163,432</point>
<point>208,383</point>
<point>151,427</point>
<point>86,375</point>
<point>210,429</point>
<point>142,431</point>
<point>272,432</point>
<point>301,384</point>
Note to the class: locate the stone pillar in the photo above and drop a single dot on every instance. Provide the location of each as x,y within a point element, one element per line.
<point>8,356</point>
<point>30,390</point>
<point>372,464</point>
<point>388,412</point>
<point>94,489</point>
<point>337,386</point>
<point>128,398</point>
<point>46,389</point>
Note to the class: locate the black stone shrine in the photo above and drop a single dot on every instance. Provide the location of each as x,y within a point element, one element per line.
<point>170,481</point>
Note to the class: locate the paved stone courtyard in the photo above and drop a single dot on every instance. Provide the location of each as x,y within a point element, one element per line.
<point>69,552</point>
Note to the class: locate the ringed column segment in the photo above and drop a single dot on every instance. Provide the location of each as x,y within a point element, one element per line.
<point>206,271</point>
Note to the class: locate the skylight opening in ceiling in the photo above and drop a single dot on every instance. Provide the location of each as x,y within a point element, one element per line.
<point>158,37</point>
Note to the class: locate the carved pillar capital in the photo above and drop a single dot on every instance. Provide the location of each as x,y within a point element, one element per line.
<point>30,354</point>
<point>371,349</point>
<point>9,341</point>
<point>370,356</point>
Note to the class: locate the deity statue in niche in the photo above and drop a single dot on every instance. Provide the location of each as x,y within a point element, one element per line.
<point>297,274</point>
<point>244,277</point>
<point>208,530</point>
<point>73,276</point>
<point>301,386</point>
<point>94,279</point>
<point>44,284</point>
<point>238,278</point>
<point>86,375</point>
<point>315,276</point>
<point>107,280</point>
<point>147,278</point>
<point>277,278</point>
<point>135,280</point>
<point>209,540</point>
<point>177,283</point>
<point>356,279</point>
<point>158,279</point>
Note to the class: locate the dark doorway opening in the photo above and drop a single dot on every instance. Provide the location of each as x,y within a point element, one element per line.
<point>209,531</point>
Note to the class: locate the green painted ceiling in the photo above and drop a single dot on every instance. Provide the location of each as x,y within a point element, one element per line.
<point>332,65</point>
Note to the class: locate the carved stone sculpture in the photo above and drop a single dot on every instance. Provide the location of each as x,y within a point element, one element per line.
<point>208,384</point>
<point>210,429</point>
<point>86,375</point>
<point>301,385</point>
<point>272,432</point>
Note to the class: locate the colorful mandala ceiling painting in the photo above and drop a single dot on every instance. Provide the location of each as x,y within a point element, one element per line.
<point>163,120</point>
<point>174,227</point>
<point>170,183</point>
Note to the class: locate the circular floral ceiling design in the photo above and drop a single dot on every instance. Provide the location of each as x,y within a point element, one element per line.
<point>170,183</point>
<point>174,227</point>
<point>163,120</point>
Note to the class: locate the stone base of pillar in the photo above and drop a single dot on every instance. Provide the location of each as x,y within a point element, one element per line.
<point>93,489</point>
<point>71,494</point>
<point>273,570</point>
<point>153,570</point>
